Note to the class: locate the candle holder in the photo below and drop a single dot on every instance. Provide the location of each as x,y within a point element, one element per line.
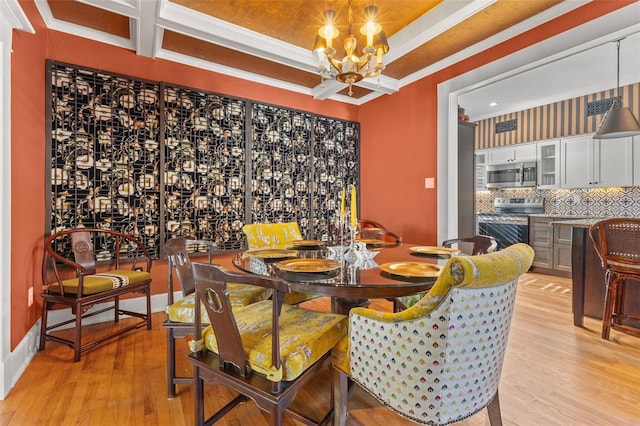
<point>351,254</point>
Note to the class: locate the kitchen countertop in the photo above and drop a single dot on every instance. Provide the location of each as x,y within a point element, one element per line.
<point>586,222</point>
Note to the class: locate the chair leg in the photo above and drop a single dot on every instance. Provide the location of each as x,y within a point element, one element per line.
<point>43,324</point>
<point>610,300</point>
<point>77,345</point>
<point>495,417</point>
<point>340,397</point>
<point>148,293</point>
<point>198,397</point>
<point>171,363</point>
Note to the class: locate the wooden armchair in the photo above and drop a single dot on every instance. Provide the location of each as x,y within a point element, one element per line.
<point>388,238</point>
<point>181,314</point>
<point>72,278</point>
<point>439,361</point>
<point>265,351</point>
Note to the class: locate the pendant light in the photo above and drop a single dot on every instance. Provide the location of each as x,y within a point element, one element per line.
<point>619,121</point>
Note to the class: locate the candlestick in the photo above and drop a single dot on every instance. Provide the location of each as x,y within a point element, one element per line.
<point>354,213</point>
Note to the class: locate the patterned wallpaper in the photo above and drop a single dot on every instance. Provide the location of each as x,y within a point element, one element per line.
<point>560,119</point>
<point>615,201</point>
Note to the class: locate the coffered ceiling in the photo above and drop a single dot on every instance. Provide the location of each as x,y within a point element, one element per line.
<point>270,41</point>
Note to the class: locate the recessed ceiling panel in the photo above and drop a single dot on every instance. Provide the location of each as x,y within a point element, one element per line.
<point>197,48</point>
<point>488,22</point>
<point>91,17</point>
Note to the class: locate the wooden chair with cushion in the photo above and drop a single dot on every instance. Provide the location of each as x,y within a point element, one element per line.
<point>275,236</point>
<point>478,244</point>
<point>265,351</point>
<point>617,242</point>
<point>439,361</point>
<point>72,278</point>
<point>181,314</point>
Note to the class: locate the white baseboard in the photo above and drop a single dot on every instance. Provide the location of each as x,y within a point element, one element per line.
<point>14,365</point>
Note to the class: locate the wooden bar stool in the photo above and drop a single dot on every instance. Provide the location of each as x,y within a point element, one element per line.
<point>617,242</point>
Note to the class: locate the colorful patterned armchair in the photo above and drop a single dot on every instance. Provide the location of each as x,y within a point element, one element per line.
<point>440,360</point>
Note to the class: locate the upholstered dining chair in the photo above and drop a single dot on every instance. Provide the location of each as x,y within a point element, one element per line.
<point>440,360</point>
<point>73,278</point>
<point>276,236</point>
<point>181,313</point>
<point>265,351</point>
<point>617,242</point>
<point>478,244</point>
<point>271,235</point>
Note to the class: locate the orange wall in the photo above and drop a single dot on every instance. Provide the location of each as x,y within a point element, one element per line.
<point>398,137</point>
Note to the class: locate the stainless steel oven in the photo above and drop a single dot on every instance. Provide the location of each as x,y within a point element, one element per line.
<point>510,222</point>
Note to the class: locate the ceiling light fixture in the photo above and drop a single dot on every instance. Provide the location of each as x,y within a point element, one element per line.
<point>618,121</point>
<point>352,68</point>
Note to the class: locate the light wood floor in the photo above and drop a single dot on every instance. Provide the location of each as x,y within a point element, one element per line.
<point>554,374</point>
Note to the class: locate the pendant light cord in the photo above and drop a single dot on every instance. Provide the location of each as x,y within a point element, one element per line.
<point>618,99</point>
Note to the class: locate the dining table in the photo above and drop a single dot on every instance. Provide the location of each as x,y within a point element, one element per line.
<point>350,280</point>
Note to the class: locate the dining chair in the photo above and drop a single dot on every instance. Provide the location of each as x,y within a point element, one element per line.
<point>72,278</point>
<point>181,313</point>
<point>439,361</point>
<point>617,242</point>
<point>478,244</point>
<point>366,223</point>
<point>276,236</point>
<point>265,351</point>
<point>388,238</point>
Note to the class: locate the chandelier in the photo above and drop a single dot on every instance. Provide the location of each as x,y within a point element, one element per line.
<point>352,68</point>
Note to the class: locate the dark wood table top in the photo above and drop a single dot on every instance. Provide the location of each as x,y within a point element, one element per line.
<point>351,279</point>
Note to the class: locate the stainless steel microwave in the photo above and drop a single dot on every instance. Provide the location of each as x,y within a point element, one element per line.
<point>512,175</point>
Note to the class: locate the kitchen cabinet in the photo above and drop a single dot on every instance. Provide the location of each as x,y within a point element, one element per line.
<point>562,248</point>
<point>552,245</point>
<point>636,160</point>
<point>590,163</point>
<point>481,170</point>
<point>466,179</point>
<point>548,164</point>
<point>511,154</point>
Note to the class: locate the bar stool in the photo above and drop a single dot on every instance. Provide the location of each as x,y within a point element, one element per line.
<point>617,242</point>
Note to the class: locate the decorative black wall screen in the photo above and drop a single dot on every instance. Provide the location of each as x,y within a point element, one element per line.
<point>157,160</point>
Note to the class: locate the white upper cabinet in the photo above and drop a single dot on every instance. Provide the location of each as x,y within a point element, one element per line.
<point>589,163</point>
<point>481,170</point>
<point>549,164</point>
<point>513,154</point>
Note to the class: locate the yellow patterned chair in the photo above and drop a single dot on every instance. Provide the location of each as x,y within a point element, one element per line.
<point>271,235</point>
<point>275,236</point>
<point>181,313</point>
<point>439,361</point>
<point>265,351</point>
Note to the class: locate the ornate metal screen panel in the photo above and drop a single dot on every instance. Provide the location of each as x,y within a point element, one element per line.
<point>281,159</point>
<point>335,166</point>
<point>204,166</point>
<point>104,164</point>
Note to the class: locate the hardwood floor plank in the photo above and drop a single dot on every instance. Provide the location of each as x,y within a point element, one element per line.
<point>554,374</point>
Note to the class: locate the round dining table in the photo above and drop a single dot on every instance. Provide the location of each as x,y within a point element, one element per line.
<point>351,282</point>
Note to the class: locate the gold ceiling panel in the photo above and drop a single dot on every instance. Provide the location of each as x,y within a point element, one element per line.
<point>91,17</point>
<point>488,22</point>
<point>196,48</point>
<point>297,21</point>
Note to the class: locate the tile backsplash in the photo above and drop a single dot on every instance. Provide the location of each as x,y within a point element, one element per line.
<point>614,202</point>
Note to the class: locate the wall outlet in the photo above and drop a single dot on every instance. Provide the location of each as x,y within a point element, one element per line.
<point>30,296</point>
